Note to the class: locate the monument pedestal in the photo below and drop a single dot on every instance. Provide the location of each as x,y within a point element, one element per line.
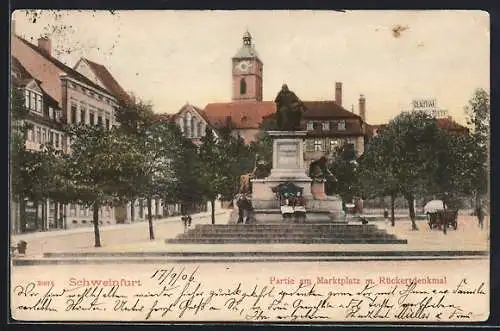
<point>288,166</point>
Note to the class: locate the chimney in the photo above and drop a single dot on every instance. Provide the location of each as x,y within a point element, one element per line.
<point>362,107</point>
<point>338,93</point>
<point>45,45</point>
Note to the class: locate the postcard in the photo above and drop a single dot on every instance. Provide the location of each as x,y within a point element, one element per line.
<point>249,166</point>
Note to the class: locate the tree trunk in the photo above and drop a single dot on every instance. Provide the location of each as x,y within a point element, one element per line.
<point>35,206</point>
<point>132,211</point>
<point>56,214</point>
<point>411,208</point>
<point>95,220</point>
<point>478,209</point>
<point>65,221</point>
<point>22,215</point>
<point>150,218</point>
<point>393,202</point>
<point>212,202</point>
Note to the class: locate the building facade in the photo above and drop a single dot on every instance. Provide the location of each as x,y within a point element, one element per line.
<point>59,96</point>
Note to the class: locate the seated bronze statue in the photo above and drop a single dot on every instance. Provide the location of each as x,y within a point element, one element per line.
<point>289,110</point>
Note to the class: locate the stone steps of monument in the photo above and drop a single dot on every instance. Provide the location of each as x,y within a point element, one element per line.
<point>287,235</point>
<point>311,230</point>
<point>309,240</point>
<point>327,233</point>
<point>284,226</point>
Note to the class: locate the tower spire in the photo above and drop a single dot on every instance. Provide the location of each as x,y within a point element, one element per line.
<point>247,38</point>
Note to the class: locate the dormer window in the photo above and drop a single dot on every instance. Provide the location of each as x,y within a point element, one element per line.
<point>310,126</point>
<point>341,126</point>
<point>33,101</point>
<point>326,126</point>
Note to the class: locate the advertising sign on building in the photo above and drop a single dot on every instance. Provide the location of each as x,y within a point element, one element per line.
<point>428,105</point>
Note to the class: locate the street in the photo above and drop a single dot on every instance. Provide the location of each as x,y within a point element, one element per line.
<point>111,235</point>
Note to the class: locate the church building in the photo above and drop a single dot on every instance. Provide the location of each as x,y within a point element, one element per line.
<point>328,124</point>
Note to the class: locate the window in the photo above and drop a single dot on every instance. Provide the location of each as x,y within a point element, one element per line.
<point>38,135</point>
<point>333,124</point>
<point>72,210</point>
<point>51,113</point>
<point>83,114</point>
<point>107,123</point>
<point>31,135</point>
<point>200,129</point>
<point>27,99</point>
<point>73,113</point>
<point>193,127</point>
<point>38,103</point>
<point>341,125</point>
<point>99,120</point>
<point>310,125</point>
<point>56,140</point>
<point>318,145</point>
<point>243,86</point>
<point>91,118</point>
<point>326,126</point>
<point>32,101</point>
<point>44,136</point>
<point>187,122</point>
<point>51,137</point>
<point>333,144</point>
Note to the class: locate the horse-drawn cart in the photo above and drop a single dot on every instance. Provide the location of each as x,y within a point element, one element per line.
<point>442,219</point>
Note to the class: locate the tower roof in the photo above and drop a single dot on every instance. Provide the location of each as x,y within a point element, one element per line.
<point>247,50</point>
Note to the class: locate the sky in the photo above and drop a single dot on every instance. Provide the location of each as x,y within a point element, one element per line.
<point>170,57</point>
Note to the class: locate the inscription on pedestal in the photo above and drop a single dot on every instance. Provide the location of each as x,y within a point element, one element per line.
<point>288,157</point>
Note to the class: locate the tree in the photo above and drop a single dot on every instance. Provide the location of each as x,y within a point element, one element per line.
<point>478,118</point>
<point>215,171</point>
<point>344,166</point>
<point>376,178</point>
<point>185,162</point>
<point>157,174</point>
<point>263,145</point>
<point>103,167</point>
<point>411,137</point>
<point>18,181</point>
<point>151,136</point>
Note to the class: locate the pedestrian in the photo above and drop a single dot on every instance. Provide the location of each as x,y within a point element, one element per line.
<point>480,216</point>
<point>386,213</point>
<point>240,203</point>
<point>186,220</point>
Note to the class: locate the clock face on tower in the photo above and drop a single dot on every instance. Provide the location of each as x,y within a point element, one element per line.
<point>243,66</point>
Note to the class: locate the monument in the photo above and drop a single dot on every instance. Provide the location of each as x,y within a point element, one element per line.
<point>288,168</point>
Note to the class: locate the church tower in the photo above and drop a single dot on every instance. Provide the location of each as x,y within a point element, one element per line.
<point>247,72</point>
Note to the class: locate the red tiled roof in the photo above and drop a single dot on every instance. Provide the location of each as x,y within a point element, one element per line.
<point>450,124</point>
<point>250,114</point>
<point>108,80</point>
<point>22,75</point>
<point>243,114</point>
<point>46,68</point>
<point>326,109</point>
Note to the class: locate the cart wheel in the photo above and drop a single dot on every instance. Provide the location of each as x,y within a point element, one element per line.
<point>455,225</point>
